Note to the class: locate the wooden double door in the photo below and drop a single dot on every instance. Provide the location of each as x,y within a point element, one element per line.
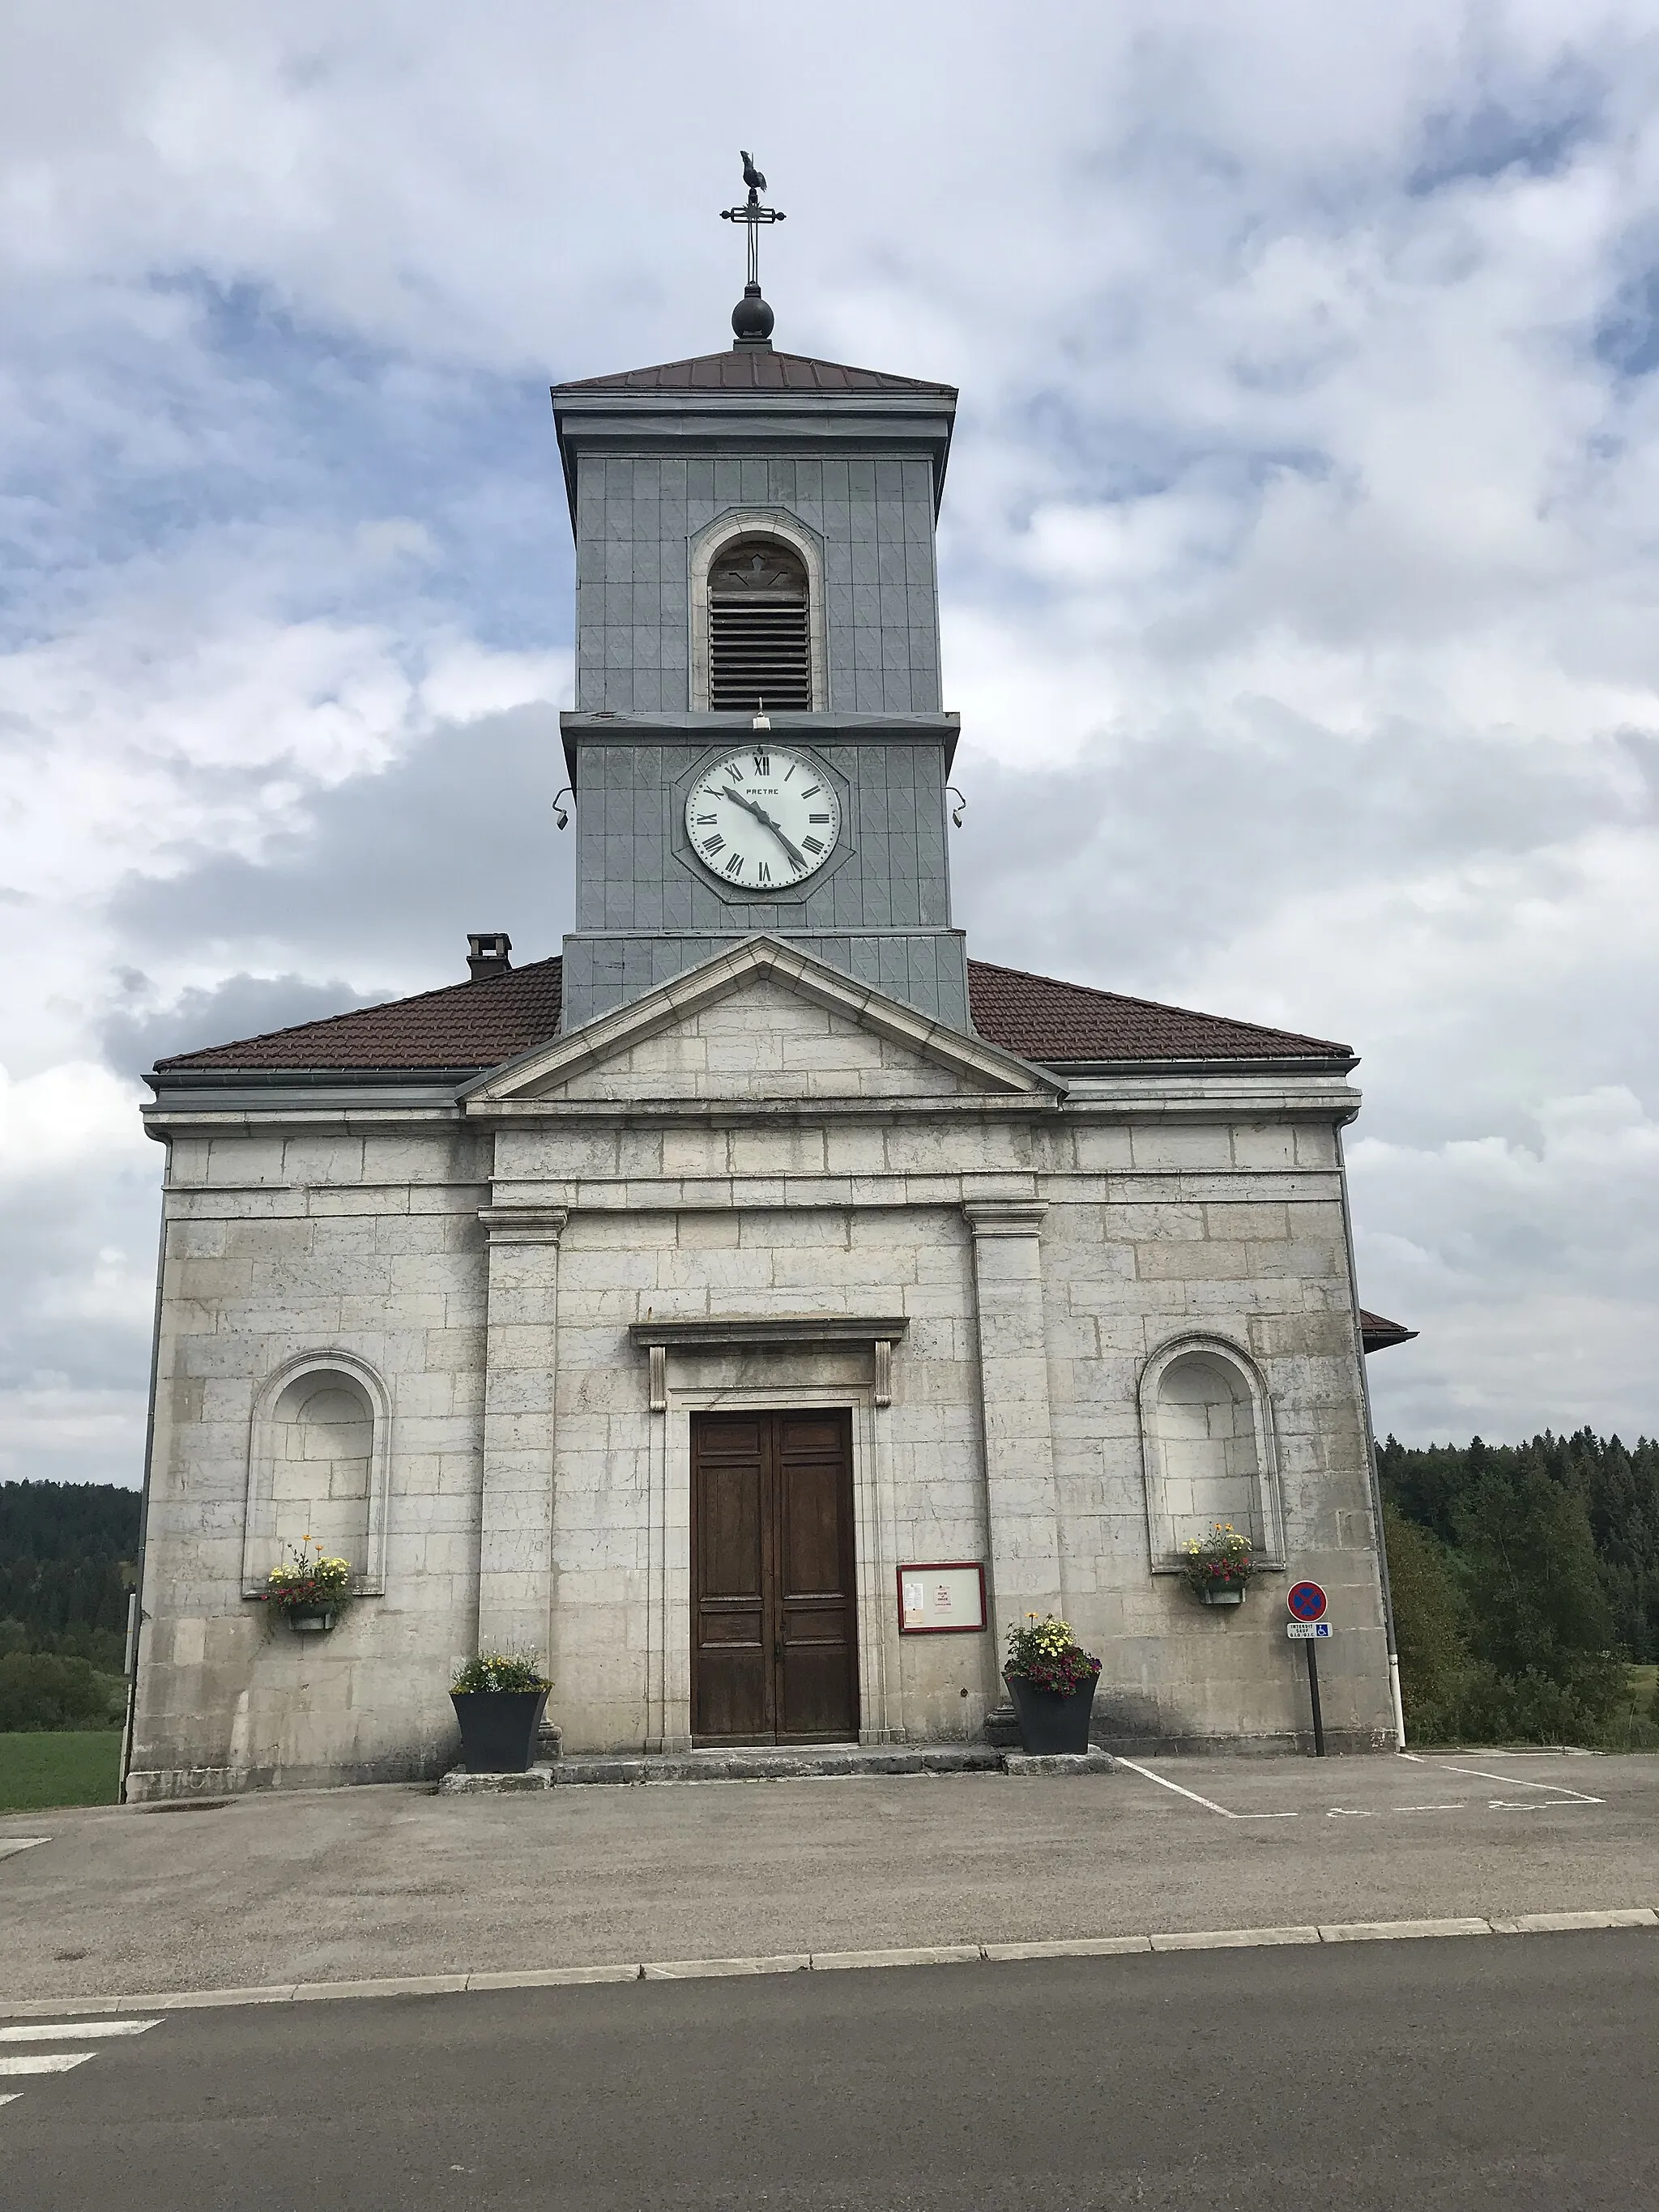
<point>774,1631</point>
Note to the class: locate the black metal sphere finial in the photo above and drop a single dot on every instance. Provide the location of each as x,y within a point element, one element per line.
<point>752,318</point>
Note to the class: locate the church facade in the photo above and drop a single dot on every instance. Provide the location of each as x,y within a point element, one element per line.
<point>757,1310</point>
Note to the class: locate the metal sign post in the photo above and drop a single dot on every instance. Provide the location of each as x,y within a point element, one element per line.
<point>1306,1602</point>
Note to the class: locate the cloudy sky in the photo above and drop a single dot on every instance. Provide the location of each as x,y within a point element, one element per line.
<point>1298,562</point>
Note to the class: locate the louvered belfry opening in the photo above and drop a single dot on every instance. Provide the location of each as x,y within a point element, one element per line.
<point>759,628</point>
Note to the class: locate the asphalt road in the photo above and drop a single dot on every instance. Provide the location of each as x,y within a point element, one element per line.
<point>1516,2072</point>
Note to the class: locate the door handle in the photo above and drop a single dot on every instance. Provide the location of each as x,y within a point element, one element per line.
<point>777,1650</point>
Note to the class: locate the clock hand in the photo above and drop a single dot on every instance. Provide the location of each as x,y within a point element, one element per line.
<point>761,815</point>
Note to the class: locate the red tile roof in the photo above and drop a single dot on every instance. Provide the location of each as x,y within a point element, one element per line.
<point>462,1028</point>
<point>753,369</point>
<point>1040,1018</point>
<point>1378,1335</point>
<point>473,1025</point>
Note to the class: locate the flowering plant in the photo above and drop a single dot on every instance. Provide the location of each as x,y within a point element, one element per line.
<point>498,1670</point>
<point>1223,1560</point>
<point>1046,1654</point>
<point>308,1584</point>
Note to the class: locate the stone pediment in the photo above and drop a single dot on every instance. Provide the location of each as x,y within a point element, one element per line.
<point>761,1021</point>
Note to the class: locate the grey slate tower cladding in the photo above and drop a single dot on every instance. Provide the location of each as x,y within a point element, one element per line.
<point>664,468</point>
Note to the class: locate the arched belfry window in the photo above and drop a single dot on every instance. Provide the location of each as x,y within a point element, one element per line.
<point>760,630</point>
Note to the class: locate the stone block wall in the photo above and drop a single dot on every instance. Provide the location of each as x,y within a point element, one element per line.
<point>277,1248</point>
<point>1135,1236</point>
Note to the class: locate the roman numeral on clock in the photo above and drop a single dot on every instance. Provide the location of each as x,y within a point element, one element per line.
<point>817,817</point>
<point>763,873</point>
<point>704,821</point>
<point>715,845</point>
<point>734,866</point>
<point>763,763</point>
<point>812,845</point>
<point>812,791</point>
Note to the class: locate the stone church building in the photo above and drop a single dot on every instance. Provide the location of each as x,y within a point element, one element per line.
<point>754,1311</point>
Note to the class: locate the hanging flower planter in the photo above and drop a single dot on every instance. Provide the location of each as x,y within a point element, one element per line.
<point>308,1591</point>
<point>1051,1680</point>
<point>1219,1566</point>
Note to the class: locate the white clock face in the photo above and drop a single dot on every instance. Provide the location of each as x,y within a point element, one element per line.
<point>763,818</point>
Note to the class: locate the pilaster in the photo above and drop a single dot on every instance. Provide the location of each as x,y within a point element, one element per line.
<point>1021,1506</point>
<point>515,1546</point>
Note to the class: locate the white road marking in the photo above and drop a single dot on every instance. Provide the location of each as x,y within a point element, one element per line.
<point>1208,1803</point>
<point>1455,1806</point>
<point>44,2061</point>
<point>1345,1812</point>
<point>11,2097</point>
<point>1539,1804</point>
<point>1516,1781</point>
<point>10,1846</point>
<point>67,2031</point>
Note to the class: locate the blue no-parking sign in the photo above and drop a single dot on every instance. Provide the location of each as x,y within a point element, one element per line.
<point>1306,1602</point>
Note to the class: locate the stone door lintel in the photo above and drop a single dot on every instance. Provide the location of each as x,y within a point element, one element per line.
<point>774,1332</point>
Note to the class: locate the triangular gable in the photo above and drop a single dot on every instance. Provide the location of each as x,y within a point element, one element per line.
<point>949,1062</point>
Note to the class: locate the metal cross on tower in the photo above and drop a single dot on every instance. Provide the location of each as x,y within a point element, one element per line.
<point>752,318</point>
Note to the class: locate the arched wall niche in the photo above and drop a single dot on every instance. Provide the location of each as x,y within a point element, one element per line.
<point>707,547</point>
<point>319,1462</point>
<point>1208,1449</point>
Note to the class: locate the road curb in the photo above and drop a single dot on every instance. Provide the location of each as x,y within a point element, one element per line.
<point>821,1962</point>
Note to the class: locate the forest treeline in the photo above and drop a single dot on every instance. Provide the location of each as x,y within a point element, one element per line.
<point>1526,1581</point>
<point>68,1552</point>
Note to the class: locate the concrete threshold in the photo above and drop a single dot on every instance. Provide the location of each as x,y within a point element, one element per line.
<point>779,1763</point>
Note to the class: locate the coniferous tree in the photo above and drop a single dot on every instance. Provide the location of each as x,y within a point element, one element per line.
<point>1427,1628</point>
<point>1540,1629</point>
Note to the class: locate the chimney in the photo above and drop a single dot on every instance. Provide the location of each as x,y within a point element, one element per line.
<point>487,952</point>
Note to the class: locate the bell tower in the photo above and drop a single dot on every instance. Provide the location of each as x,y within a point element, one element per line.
<point>758,744</point>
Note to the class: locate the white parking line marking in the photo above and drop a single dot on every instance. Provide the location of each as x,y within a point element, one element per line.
<point>1516,1781</point>
<point>44,2061</point>
<point>1539,1804</point>
<point>1455,1806</point>
<point>66,2031</point>
<point>1208,1803</point>
<point>11,2097</point>
<point>1147,1774</point>
<point>10,1846</point>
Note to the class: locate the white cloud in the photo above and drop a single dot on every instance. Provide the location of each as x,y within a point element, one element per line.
<point>1298,560</point>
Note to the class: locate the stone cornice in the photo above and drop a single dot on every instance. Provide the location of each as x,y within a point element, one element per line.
<point>1004,1217</point>
<point>736,1331</point>
<point>523,1225</point>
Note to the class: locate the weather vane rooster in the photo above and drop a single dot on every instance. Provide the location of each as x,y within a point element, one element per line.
<point>752,318</point>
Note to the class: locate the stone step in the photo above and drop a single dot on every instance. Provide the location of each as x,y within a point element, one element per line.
<point>764,1763</point>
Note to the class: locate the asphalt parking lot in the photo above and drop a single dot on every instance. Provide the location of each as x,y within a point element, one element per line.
<point>339,1885</point>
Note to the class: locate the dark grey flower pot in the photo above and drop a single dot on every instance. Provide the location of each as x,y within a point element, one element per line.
<point>1049,1723</point>
<point>498,1728</point>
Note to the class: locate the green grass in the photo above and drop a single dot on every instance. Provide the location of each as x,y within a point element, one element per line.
<point>49,1767</point>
